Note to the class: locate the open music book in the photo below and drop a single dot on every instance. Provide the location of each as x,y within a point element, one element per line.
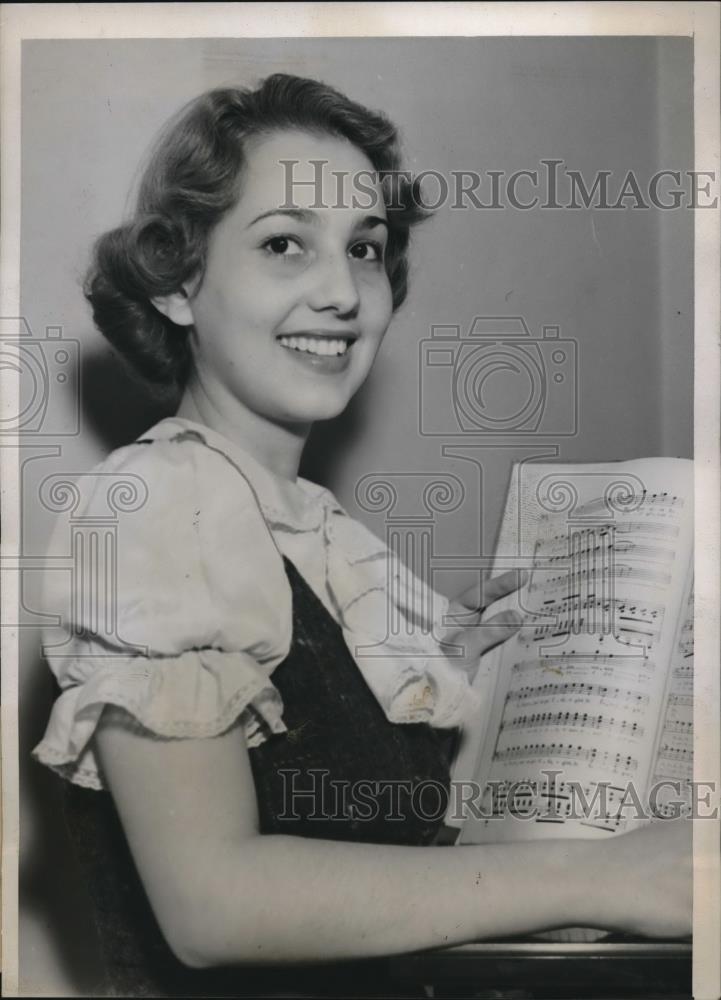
<point>587,724</point>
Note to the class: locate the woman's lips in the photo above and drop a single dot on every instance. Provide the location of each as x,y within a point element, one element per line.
<point>326,345</point>
<point>325,353</point>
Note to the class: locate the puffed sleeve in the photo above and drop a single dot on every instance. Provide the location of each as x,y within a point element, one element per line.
<point>172,603</point>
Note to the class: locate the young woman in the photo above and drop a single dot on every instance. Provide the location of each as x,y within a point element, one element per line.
<point>244,594</point>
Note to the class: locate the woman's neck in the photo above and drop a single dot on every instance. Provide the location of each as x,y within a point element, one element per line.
<point>275,446</point>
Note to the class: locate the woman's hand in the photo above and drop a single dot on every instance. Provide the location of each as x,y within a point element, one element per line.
<point>646,881</point>
<point>471,622</point>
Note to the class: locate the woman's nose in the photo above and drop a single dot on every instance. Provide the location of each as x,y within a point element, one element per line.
<point>335,287</point>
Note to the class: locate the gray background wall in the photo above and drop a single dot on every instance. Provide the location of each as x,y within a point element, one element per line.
<point>619,283</point>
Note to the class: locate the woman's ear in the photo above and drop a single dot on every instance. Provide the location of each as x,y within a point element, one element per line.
<point>176,307</point>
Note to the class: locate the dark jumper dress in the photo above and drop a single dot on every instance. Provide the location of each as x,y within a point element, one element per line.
<point>338,737</point>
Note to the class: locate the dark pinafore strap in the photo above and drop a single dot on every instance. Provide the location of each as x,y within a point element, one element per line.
<point>342,771</point>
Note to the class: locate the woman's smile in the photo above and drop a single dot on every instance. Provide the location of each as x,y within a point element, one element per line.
<point>327,352</point>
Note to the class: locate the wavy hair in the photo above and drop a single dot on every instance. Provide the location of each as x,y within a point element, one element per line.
<point>193,179</point>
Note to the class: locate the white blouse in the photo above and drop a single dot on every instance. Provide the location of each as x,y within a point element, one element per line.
<point>203,613</point>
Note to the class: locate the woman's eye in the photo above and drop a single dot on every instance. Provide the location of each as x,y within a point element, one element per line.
<point>367,250</point>
<point>283,246</point>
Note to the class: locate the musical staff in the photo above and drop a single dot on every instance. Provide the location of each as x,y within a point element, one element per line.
<point>610,818</point>
<point>685,645</point>
<point>674,760</point>
<point>681,727</point>
<point>550,802</point>
<point>604,807</point>
<point>577,690</point>
<point>570,545</point>
<point>592,756</point>
<point>593,616</point>
<point>573,720</point>
<point>675,754</point>
<point>660,504</point>
<point>632,672</point>
<point>620,571</point>
<point>649,553</point>
<point>658,529</point>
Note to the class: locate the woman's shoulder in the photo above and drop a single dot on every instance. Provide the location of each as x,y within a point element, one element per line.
<point>178,512</point>
<point>187,538</point>
<point>168,468</point>
<point>165,449</point>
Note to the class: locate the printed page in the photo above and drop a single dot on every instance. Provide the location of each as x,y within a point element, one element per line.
<point>673,759</point>
<point>580,692</point>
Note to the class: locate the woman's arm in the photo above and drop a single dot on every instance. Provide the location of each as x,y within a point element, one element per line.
<point>225,894</point>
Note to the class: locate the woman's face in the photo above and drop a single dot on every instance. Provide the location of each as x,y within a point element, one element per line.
<point>294,302</point>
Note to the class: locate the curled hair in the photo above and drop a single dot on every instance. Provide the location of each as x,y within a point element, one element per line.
<point>193,180</point>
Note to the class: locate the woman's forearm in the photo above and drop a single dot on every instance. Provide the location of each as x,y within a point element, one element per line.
<point>225,894</point>
<point>276,898</point>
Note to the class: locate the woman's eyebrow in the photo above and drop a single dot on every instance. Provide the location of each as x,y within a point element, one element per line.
<point>299,214</point>
<point>371,221</point>
<point>307,215</point>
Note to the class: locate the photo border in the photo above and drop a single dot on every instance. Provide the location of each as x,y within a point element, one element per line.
<point>214,20</point>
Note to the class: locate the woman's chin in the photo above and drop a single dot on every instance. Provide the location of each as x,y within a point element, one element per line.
<point>318,409</point>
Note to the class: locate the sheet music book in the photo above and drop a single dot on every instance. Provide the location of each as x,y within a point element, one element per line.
<point>587,725</point>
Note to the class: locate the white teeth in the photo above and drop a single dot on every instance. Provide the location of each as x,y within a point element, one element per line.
<point>316,345</point>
